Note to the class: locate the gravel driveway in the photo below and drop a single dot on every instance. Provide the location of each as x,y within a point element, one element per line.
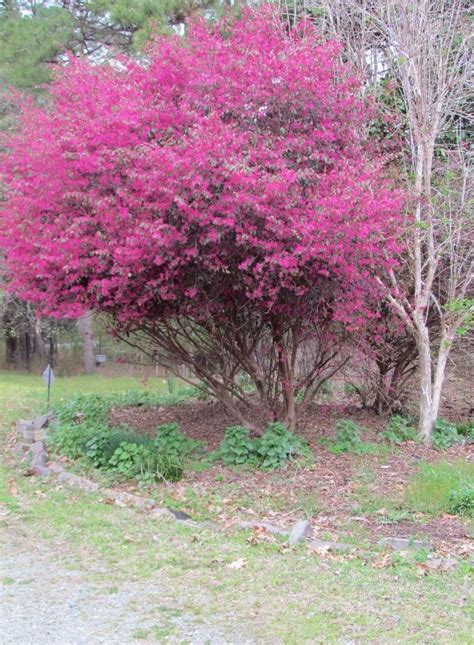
<point>45,603</point>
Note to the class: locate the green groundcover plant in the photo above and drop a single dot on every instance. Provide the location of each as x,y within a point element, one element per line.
<point>274,449</point>
<point>83,430</point>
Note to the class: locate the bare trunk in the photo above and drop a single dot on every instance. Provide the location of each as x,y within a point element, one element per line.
<point>290,416</point>
<point>440,372</point>
<point>86,330</point>
<point>287,383</point>
<point>11,343</point>
<point>39,347</point>
<point>426,387</point>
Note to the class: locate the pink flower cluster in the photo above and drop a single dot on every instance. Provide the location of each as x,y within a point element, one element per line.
<point>230,169</point>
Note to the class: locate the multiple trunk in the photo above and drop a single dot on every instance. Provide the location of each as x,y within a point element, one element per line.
<point>285,366</point>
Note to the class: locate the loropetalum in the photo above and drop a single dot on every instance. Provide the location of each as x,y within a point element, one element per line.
<point>219,200</point>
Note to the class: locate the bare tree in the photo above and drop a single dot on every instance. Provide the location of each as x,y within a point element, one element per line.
<point>425,47</point>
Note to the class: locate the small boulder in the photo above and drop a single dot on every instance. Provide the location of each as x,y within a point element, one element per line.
<point>135,500</point>
<point>26,431</point>
<point>179,515</point>
<point>40,471</point>
<point>37,447</point>
<point>271,528</point>
<point>77,481</point>
<point>40,422</point>
<point>39,435</point>
<point>327,545</point>
<point>404,543</point>
<point>300,531</point>
<point>161,512</point>
<point>38,459</point>
<point>442,564</point>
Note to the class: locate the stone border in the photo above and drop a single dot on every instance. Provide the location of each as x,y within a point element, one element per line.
<point>31,436</point>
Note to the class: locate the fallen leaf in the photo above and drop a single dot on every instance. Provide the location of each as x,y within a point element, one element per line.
<point>382,561</point>
<point>12,489</point>
<point>422,569</point>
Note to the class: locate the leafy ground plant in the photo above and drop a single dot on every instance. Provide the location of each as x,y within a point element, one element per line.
<point>170,441</point>
<point>348,439</point>
<point>271,451</point>
<point>442,488</point>
<point>278,445</point>
<point>445,434</point>
<point>83,431</point>
<point>237,448</point>
<point>101,447</point>
<point>146,463</point>
<point>398,430</point>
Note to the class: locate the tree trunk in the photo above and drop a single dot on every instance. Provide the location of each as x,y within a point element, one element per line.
<point>11,343</point>
<point>426,387</point>
<point>39,348</point>
<point>86,330</point>
<point>440,372</point>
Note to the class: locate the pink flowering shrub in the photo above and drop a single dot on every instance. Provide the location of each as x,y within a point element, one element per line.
<point>221,202</point>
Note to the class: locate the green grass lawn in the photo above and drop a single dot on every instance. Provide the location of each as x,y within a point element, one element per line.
<point>26,393</point>
<point>278,596</point>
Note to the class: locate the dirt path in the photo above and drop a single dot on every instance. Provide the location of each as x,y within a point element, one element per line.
<point>44,603</point>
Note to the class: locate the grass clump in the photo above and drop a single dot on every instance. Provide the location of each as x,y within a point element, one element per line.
<point>442,488</point>
<point>461,501</point>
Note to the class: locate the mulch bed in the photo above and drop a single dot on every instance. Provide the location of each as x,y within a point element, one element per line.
<point>332,479</point>
<point>206,420</point>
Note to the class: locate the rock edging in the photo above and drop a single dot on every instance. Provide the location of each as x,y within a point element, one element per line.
<point>31,436</point>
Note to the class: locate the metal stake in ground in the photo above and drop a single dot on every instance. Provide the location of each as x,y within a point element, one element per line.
<point>48,374</point>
